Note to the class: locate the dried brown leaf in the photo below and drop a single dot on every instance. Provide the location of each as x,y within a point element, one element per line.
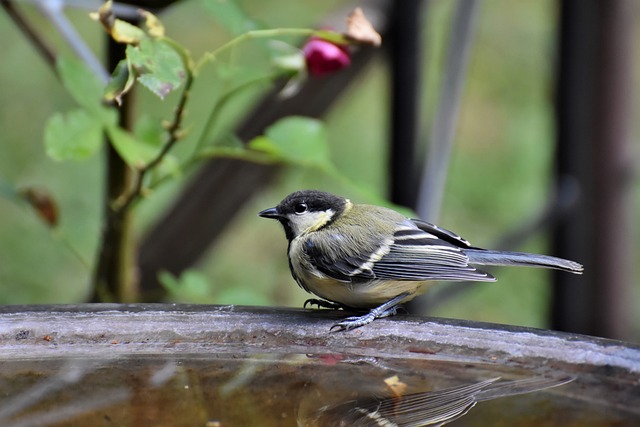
<point>43,204</point>
<point>397,387</point>
<point>360,30</point>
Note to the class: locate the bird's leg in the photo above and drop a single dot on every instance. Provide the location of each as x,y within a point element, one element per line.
<point>322,304</point>
<point>387,309</point>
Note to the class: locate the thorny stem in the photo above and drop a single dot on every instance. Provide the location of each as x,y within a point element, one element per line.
<point>174,135</point>
<point>211,120</point>
<point>123,205</point>
<point>117,253</point>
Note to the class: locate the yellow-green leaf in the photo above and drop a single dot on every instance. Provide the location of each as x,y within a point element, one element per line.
<point>152,23</point>
<point>124,32</point>
<point>121,31</point>
<point>121,82</point>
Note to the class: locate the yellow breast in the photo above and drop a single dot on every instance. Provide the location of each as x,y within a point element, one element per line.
<point>363,294</point>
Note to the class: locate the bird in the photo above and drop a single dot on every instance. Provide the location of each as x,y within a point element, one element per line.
<point>361,257</point>
<point>425,408</point>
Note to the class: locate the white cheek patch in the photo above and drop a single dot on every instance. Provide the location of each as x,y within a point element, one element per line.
<point>309,221</point>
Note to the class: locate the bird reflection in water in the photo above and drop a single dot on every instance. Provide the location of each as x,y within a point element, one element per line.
<point>430,408</point>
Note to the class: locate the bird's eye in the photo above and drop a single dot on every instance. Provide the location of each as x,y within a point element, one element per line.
<point>300,208</point>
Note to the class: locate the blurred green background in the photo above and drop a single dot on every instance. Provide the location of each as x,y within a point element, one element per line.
<point>500,173</point>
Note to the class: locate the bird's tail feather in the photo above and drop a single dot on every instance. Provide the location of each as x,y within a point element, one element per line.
<point>487,257</point>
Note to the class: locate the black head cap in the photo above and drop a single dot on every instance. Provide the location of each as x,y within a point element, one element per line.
<point>304,201</point>
<point>312,200</point>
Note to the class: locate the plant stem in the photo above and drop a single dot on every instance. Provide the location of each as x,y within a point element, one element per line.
<point>174,136</point>
<point>174,128</point>
<point>254,35</point>
<point>219,106</point>
<point>113,277</point>
<point>113,280</point>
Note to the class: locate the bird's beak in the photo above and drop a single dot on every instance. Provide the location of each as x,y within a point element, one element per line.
<point>270,213</point>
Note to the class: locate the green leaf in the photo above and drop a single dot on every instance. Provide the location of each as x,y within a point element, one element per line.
<point>168,166</point>
<point>158,65</point>
<point>74,135</point>
<point>169,282</point>
<point>241,296</point>
<point>297,140</point>
<point>195,283</point>
<point>149,130</point>
<point>84,87</point>
<point>133,151</point>
<point>230,139</point>
<point>122,80</point>
<point>229,14</point>
<point>191,286</point>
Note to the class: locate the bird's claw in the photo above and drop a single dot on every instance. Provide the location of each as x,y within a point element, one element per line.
<point>387,309</point>
<point>353,322</point>
<point>321,304</point>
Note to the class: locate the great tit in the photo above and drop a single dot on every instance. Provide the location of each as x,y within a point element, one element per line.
<point>357,256</point>
<point>437,407</point>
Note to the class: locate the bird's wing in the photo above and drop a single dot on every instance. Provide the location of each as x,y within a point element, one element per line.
<point>411,254</point>
<point>442,233</point>
<point>337,261</point>
<point>427,253</point>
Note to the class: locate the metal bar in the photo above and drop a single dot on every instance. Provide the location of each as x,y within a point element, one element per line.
<point>593,124</point>
<point>442,136</point>
<point>404,51</point>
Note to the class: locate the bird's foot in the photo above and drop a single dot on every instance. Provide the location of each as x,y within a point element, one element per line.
<point>387,309</point>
